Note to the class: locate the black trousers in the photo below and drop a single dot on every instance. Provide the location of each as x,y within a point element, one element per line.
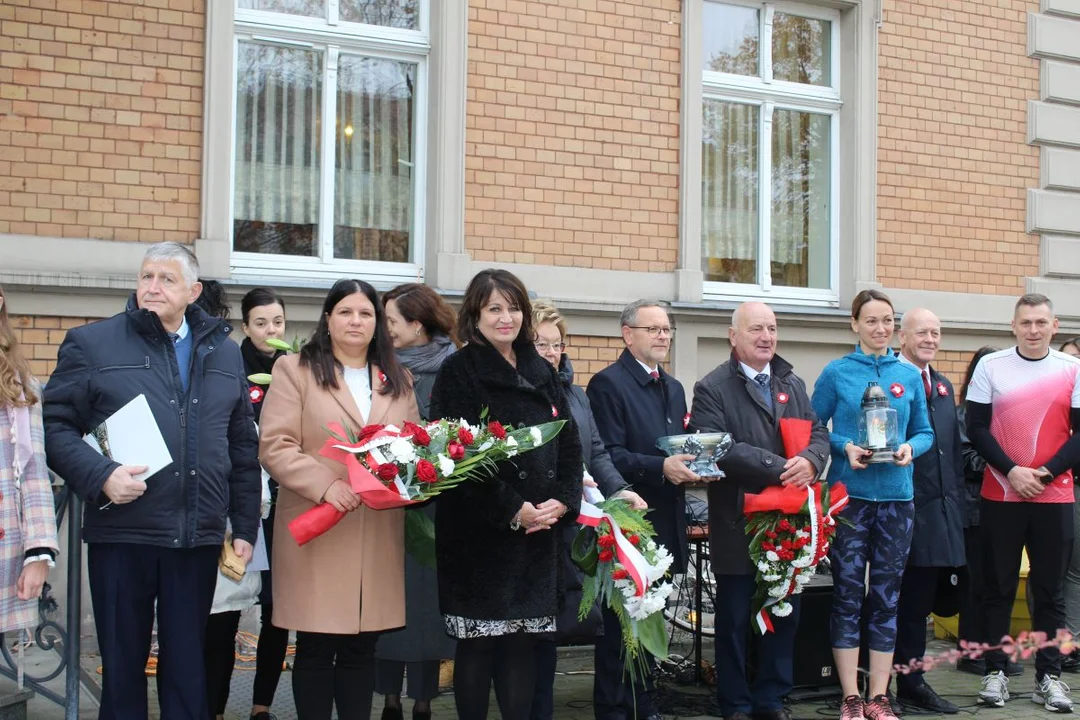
<point>971,620</point>
<point>220,658</point>
<point>547,658</point>
<point>917,592</point>
<point>125,582</point>
<point>507,661</point>
<point>423,678</point>
<point>614,697</point>
<point>774,667</point>
<point>269,657</point>
<point>334,671</point>
<point>1047,531</point>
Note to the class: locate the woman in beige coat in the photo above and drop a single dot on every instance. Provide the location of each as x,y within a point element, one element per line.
<point>343,588</point>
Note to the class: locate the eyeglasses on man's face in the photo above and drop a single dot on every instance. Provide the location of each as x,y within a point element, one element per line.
<point>543,347</point>
<point>655,331</point>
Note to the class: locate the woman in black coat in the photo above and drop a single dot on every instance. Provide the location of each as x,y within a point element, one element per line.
<point>498,558</point>
<point>421,326</point>
<point>551,334</point>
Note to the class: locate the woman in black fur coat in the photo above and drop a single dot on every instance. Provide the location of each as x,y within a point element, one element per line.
<point>498,559</point>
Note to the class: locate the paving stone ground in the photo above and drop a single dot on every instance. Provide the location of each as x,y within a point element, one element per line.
<point>573,691</point>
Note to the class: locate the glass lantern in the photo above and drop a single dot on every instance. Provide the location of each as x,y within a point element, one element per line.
<point>879,431</point>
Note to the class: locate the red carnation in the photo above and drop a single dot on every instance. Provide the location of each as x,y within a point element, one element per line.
<point>606,556</point>
<point>387,472</point>
<point>456,450</point>
<point>767,546</point>
<point>786,544</point>
<point>606,541</point>
<point>770,534</point>
<point>425,472</point>
<point>619,574</point>
<point>785,526</point>
<point>496,429</point>
<point>634,540</point>
<point>368,431</point>
<point>465,436</point>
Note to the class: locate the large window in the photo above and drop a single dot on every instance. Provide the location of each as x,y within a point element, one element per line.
<point>770,104</point>
<point>329,135</point>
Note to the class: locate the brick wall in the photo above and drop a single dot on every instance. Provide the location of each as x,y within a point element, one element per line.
<point>101,118</point>
<point>591,354</point>
<point>954,162</point>
<point>573,132</point>
<point>39,337</point>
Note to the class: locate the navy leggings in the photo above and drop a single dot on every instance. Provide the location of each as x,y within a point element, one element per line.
<point>879,533</point>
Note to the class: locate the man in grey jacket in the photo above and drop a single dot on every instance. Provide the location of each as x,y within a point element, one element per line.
<point>747,396</point>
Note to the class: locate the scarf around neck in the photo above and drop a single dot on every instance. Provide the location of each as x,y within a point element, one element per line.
<point>256,361</point>
<point>428,358</point>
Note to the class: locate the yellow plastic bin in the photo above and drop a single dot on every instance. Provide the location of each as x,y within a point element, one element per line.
<point>947,628</point>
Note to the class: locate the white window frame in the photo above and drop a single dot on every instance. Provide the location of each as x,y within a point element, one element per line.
<point>769,95</point>
<point>334,37</point>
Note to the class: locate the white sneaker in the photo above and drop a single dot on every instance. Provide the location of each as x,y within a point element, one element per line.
<point>995,689</point>
<point>1052,694</point>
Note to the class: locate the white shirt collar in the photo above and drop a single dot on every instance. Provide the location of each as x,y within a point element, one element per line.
<point>648,369</point>
<point>752,373</point>
<point>904,359</point>
<point>183,330</point>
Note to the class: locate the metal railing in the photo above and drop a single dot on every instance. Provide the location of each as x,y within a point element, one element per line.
<point>50,635</point>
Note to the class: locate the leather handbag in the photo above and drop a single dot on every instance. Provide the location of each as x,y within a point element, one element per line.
<point>230,564</point>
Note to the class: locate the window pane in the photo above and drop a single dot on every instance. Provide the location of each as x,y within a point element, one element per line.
<point>278,115</point>
<point>373,169</point>
<point>307,8</point>
<point>731,38</point>
<point>800,50</point>
<point>729,192</point>
<point>388,13</point>
<point>801,203</point>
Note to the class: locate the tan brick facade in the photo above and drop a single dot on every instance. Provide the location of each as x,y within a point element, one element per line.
<point>39,337</point>
<point>953,160</point>
<point>573,133</point>
<point>101,118</point>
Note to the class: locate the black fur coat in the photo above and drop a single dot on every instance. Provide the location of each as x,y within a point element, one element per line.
<point>486,570</point>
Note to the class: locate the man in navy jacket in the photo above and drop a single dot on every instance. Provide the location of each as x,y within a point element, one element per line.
<point>635,402</point>
<point>157,539</point>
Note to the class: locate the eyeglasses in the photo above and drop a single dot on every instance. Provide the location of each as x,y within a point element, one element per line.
<point>543,347</point>
<point>654,330</point>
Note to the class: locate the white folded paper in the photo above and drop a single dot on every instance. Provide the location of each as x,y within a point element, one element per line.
<point>131,436</point>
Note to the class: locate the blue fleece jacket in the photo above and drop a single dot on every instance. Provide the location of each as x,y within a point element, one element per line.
<point>838,397</point>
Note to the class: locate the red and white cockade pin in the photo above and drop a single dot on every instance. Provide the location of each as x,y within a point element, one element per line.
<point>782,398</point>
<point>382,377</point>
<point>942,390</point>
<point>256,393</point>
<point>554,411</point>
<point>897,389</point>
<point>686,421</point>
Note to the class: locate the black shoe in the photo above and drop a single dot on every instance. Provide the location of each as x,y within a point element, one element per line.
<point>263,716</point>
<point>390,713</point>
<point>418,715</point>
<point>1012,669</point>
<point>779,714</point>
<point>923,697</point>
<point>1071,663</point>
<point>975,666</point>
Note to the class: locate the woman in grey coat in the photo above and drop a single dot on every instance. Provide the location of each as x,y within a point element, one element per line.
<point>550,342</point>
<point>421,326</point>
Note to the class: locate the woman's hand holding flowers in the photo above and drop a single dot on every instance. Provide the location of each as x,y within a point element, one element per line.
<point>341,496</point>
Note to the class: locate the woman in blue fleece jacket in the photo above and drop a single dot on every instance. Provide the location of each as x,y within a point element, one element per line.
<point>881,512</point>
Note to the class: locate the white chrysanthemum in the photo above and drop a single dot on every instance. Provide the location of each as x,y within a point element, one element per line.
<point>773,577</point>
<point>802,578</point>
<point>782,609</point>
<point>778,591</point>
<point>764,566</point>
<point>802,562</point>
<point>771,556</point>
<point>536,436</point>
<point>801,534</point>
<point>446,466</point>
<point>402,450</point>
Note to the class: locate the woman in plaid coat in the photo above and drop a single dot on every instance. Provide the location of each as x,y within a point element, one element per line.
<point>27,519</point>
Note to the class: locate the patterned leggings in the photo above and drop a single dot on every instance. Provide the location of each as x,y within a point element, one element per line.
<point>879,534</point>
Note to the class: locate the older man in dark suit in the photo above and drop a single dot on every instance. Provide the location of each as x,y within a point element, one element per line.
<point>635,402</point>
<point>747,396</point>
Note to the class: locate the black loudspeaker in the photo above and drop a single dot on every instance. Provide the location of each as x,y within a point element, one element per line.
<point>813,662</point>
<point>814,668</point>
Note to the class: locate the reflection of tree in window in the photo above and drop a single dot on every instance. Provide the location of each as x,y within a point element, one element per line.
<point>373,162</point>
<point>387,13</point>
<point>800,49</point>
<point>278,119</point>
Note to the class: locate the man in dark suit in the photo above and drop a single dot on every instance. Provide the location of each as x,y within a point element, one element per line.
<point>747,396</point>
<point>937,545</point>
<point>635,402</point>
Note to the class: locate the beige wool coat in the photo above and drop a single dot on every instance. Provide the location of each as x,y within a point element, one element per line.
<point>352,578</point>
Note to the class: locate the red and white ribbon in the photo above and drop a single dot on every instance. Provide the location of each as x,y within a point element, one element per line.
<point>635,564</point>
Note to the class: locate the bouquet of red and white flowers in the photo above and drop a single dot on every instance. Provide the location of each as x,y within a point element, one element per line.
<point>790,529</point>
<point>391,467</point>
<point>624,568</point>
